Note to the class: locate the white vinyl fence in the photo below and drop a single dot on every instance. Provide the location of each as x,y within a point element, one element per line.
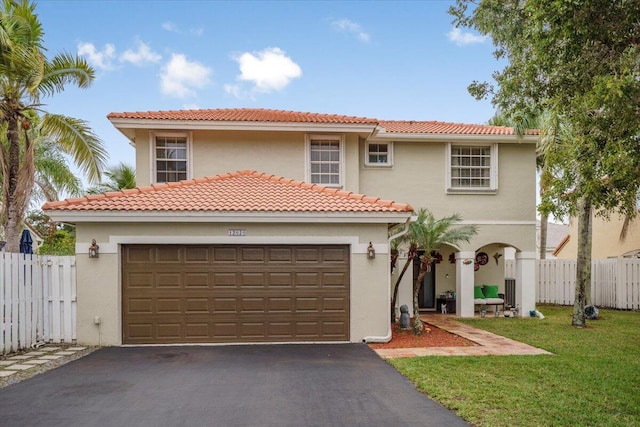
<point>615,282</point>
<point>37,300</point>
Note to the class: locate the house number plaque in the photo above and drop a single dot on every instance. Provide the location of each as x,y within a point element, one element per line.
<point>237,232</point>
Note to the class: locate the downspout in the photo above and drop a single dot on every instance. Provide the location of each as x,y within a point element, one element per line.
<point>387,338</point>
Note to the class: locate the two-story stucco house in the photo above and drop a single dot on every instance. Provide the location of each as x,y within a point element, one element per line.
<point>255,225</point>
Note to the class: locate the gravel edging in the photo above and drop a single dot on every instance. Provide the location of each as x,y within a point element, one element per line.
<point>38,369</point>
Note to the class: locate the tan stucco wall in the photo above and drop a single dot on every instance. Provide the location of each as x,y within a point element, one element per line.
<point>278,153</point>
<point>418,177</point>
<point>606,241</point>
<point>99,282</point>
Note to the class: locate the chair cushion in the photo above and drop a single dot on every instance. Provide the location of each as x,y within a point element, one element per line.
<point>490,291</point>
<point>477,292</point>
<point>494,301</point>
<point>479,301</point>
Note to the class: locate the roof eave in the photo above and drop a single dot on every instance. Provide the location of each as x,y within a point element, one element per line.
<point>128,126</point>
<point>73,216</point>
<point>439,137</point>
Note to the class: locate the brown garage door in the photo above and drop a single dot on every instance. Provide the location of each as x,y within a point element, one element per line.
<point>227,293</point>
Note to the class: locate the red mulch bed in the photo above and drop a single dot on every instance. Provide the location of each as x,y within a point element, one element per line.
<point>432,337</point>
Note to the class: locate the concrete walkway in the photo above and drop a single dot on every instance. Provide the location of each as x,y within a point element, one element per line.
<point>488,343</point>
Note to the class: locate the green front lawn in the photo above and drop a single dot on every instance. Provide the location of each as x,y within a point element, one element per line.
<point>593,378</point>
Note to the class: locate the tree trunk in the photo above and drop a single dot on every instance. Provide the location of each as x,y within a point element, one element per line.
<point>12,217</point>
<point>410,256</point>
<point>583,268</point>
<point>544,223</point>
<point>425,265</point>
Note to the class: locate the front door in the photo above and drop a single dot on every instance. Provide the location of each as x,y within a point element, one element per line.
<point>427,295</point>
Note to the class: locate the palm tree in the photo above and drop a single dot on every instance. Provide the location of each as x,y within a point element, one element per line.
<point>26,75</point>
<point>409,239</point>
<point>120,177</point>
<point>430,235</point>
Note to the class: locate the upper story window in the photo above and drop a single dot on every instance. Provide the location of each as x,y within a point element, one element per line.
<point>472,168</point>
<point>325,156</point>
<point>379,154</point>
<point>171,157</point>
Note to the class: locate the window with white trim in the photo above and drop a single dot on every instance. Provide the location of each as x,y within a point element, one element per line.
<point>325,156</point>
<point>472,167</point>
<point>171,157</point>
<point>379,154</point>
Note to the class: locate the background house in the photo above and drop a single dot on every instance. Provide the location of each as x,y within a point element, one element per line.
<point>484,173</point>
<point>608,239</point>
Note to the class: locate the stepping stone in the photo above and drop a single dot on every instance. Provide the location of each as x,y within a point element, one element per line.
<point>36,362</point>
<point>65,353</point>
<point>22,357</point>
<point>7,362</point>
<point>22,367</point>
<point>6,373</point>
<point>76,348</point>
<point>50,357</point>
<point>50,348</point>
<point>35,353</point>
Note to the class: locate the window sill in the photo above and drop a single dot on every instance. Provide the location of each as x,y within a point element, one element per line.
<point>483,191</point>
<point>378,166</point>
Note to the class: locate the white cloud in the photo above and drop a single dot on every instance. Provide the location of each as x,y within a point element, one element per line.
<point>141,56</point>
<point>99,59</point>
<point>190,107</point>
<point>347,26</point>
<point>463,39</point>
<point>170,26</point>
<point>269,70</point>
<point>180,76</point>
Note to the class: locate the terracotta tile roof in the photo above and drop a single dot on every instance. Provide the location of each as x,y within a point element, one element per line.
<point>434,127</point>
<point>243,191</point>
<point>243,115</point>
<point>260,115</point>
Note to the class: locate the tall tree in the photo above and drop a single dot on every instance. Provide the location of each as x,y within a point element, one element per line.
<point>26,76</point>
<point>547,125</point>
<point>430,236</point>
<point>579,60</point>
<point>119,177</point>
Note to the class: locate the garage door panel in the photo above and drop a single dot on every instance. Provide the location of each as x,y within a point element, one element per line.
<point>280,255</point>
<point>196,305</point>
<point>139,280</point>
<point>169,280</point>
<point>169,330</point>
<point>139,306</point>
<point>196,280</point>
<point>253,305</point>
<point>224,293</point>
<point>224,280</point>
<point>196,255</point>
<point>197,331</point>
<point>252,280</point>
<point>225,305</point>
<point>225,255</point>
<point>280,305</point>
<point>169,306</point>
<point>280,280</point>
<point>334,255</point>
<point>168,254</point>
<point>252,255</point>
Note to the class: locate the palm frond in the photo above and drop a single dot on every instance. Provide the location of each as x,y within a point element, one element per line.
<point>77,140</point>
<point>65,69</point>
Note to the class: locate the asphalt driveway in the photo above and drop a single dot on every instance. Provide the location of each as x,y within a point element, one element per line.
<point>261,385</point>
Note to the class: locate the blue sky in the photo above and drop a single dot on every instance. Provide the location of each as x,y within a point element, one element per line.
<point>387,60</point>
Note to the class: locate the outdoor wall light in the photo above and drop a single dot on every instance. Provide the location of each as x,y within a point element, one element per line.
<point>371,252</point>
<point>94,249</point>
